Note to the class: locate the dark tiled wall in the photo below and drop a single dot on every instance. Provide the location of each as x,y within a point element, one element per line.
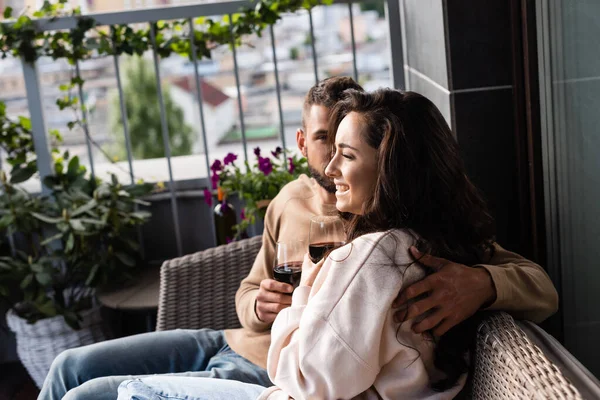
<point>424,35</point>
<point>425,61</point>
<point>479,38</point>
<point>575,54</point>
<point>459,54</point>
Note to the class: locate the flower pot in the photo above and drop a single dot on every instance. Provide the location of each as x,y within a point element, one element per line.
<point>39,343</point>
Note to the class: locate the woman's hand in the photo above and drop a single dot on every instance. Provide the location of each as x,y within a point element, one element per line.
<point>310,271</point>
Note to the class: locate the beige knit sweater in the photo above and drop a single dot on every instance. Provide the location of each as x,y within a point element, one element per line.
<point>523,289</point>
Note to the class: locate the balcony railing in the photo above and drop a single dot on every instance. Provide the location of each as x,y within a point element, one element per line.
<point>34,93</point>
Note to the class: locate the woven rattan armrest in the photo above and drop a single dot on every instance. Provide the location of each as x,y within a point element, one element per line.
<point>509,366</point>
<point>198,290</point>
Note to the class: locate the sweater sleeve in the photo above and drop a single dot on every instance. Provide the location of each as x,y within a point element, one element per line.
<point>523,288</point>
<point>309,360</point>
<point>245,298</point>
<point>329,348</point>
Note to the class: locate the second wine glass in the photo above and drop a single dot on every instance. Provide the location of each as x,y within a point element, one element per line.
<point>326,234</point>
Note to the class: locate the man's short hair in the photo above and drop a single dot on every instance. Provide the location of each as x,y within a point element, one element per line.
<point>327,93</point>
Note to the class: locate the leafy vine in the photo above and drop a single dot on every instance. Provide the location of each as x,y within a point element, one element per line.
<point>21,37</point>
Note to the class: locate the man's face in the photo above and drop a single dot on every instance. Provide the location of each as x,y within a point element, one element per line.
<point>313,145</point>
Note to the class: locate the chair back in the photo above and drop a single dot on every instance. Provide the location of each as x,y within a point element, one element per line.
<point>198,290</point>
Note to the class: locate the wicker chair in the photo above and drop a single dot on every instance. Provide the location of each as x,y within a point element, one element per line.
<point>509,366</point>
<point>198,291</point>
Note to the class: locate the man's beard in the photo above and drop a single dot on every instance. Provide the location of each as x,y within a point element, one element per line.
<point>322,180</point>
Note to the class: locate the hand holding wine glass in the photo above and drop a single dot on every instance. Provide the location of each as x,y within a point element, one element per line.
<point>325,235</point>
<point>287,266</point>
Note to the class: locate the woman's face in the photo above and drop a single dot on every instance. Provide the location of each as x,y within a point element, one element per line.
<point>353,167</point>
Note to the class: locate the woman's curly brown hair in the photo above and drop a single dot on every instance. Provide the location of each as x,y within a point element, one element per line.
<point>421,185</point>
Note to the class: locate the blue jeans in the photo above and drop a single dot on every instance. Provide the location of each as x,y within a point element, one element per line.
<point>187,388</point>
<point>95,372</point>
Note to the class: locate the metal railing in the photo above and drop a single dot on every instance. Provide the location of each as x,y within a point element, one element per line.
<point>184,12</point>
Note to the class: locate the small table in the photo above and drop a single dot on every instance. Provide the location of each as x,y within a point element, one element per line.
<point>141,295</point>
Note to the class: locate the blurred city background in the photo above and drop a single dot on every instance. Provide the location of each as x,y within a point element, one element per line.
<point>220,98</point>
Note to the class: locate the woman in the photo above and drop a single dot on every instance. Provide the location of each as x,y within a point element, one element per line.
<point>400,182</point>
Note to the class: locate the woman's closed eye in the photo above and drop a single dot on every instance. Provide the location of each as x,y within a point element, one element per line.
<point>348,156</point>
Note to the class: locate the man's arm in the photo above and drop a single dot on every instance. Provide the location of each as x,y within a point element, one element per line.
<point>522,287</point>
<point>259,294</point>
<point>455,292</point>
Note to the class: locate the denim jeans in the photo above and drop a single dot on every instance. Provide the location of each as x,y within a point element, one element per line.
<point>188,388</point>
<point>95,372</point>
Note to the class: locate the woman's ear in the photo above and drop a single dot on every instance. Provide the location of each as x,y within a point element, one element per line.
<point>301,141</point>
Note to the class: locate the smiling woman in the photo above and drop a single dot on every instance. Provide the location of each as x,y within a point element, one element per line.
<point>353,167</point>
<point>396,166</point>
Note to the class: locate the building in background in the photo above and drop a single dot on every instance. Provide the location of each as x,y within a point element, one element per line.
<point>16,5</point>
<point>219,110</point>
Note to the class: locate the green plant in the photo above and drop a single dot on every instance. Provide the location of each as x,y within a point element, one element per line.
<point>80,235</point>
<point>259,183</point>
<point>58,252</point>
<point>22,38</point>
<point>143,116</point>
<point>308,40</point>
<point>378,6</point>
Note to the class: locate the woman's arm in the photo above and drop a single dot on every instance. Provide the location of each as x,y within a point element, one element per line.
<point>329,347</point>
<point>308,359</point>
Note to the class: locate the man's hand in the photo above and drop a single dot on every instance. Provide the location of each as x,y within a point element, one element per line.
<point>453,292</point>
<point>273,296</point>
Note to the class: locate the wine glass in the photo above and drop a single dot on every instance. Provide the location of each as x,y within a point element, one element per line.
<point>287,266</point>
<point>326,234</point>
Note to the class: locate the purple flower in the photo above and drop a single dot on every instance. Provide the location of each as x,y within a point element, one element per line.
<point>216,166</point>
<point>264,165</point>
<point>228,240</point>
<point>257,151</point>
<point>208,197</point>
<point>277,152</point>
<point>243,214</point>
<point>224,205</point>
<point>215,180</point>
<point>230,158</point>
<point>291,166</point>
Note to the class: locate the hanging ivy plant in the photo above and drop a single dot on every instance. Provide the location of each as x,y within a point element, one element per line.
<point>21,38</point>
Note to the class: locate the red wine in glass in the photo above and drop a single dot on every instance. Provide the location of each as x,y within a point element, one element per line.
<point>290,272</point>
<point>326,234</point>
<point>287,266</point>
<point>319,250</point>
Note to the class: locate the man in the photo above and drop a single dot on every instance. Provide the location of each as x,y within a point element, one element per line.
<point>454,292</point>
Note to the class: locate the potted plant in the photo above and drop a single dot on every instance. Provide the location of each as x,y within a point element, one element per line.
<point>257,184</point>
<point>63,245</point>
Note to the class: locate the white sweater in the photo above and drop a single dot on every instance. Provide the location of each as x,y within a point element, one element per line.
<point>338,340</point>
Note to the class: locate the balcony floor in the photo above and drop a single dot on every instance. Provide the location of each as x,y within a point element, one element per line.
<point>15,383</point>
